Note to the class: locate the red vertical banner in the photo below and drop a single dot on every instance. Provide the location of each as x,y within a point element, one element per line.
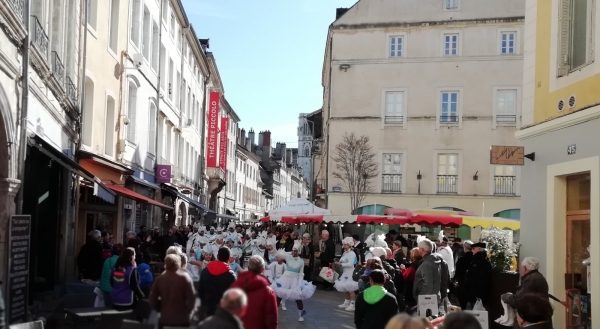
<point>213,127</point>
<point>223,144</point>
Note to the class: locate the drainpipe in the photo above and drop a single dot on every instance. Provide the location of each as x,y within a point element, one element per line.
<point>158,81</point>
<point>328,118</point>
<point>24,107</point>
<point>82,74</point>
<point>203,136</point>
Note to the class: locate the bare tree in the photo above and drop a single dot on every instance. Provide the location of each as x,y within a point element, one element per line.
<point>355,166</point>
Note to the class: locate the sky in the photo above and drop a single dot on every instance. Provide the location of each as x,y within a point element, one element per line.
<point>270,56</point>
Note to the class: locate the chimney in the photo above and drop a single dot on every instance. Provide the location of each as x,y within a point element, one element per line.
<point>251,136</point>
<point>339,12</point>
<point>242,136</point>
<point>278,150</point>
<point>248,144</point>
<point>260,139</point>
<point>205,43</point>
<point>288,156</point>
<point>282,151</point>
<point>266,146</point>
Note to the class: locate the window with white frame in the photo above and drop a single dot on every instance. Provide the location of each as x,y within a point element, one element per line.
<point>131,111</point>
<point>449,108</point>
<point>508,42</point>
<point>391,176</point>
<point>109,127</point>
<point>396,46</point>
<point>135,22</point>
<point>163,67</point>
<point>394,103</point>
<point>505,180</point>
<point>146,34</point>
<point>451,4</point>
<point>451,44</point>
<point>171,87</point>
<point>506,107</point>
<point>173,23</point>
<point>155,46</point>
<point>113,31</point>
<point>152,129</point>
<point>447,175</point>
<point>576,35</point>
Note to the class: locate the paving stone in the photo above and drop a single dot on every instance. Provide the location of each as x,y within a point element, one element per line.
<point>323,313</point>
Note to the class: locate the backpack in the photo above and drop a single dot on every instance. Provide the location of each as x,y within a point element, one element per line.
<point>146,276</point>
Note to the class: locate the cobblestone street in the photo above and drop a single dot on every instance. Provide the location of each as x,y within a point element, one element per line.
<point>323,313</point>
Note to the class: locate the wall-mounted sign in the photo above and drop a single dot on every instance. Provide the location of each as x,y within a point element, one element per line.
<point>213,127</point>
<point>336,189</point>
<point>223,144</point>
<point>571,149</point>
<point>18,268</point>
<point>163,173</point>
<point>507,155</point>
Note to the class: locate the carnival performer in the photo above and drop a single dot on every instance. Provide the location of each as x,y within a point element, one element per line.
<point>207,257</point>
<point>217,243</point>
<point>345,283</point>
<point>275,270</point>
<point>210,233</point>
<point>235,267</point>
<point>291,286</point>
<point>270,252</point>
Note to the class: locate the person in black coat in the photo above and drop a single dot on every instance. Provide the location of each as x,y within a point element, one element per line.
<point>215,279</point>
<point>227,316</point>
<point>375,306</point>
<point>460,272</point>
<point>308,255</point>
<point>359,248</point>
<point>90,259</point>
<point>167,241</point>
<point>478,280</point>
<point>327,249</point>
<point>398,283</point>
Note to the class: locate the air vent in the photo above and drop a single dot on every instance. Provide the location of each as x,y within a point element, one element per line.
<point>572,102</point>
<point>561,105</point>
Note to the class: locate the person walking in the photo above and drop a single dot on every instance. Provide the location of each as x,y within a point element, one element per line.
<point>262,301</point>
<point>90,259</point>
<point>375,306</point>
<point>107,269</point>
<point>408,273</point>
<point>462,265</point>
<point>215,279</point>
<point>125,281</point>
<point>345,283</point>
<point>327,249</point>
<point>231,308</point>
<point>173,295</point>
<point>478,280</point>
<point>429,275</point>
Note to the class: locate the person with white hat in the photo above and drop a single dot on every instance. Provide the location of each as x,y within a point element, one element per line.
<point>345,283</point>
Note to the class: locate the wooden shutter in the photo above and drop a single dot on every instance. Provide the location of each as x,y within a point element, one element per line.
<point>564,37</point>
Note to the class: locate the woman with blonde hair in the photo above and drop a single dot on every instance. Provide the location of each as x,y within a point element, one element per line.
<point>405,321</point>
<point>409,276</point>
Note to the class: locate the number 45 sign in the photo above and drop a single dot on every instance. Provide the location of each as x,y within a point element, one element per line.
<point>571,149</point>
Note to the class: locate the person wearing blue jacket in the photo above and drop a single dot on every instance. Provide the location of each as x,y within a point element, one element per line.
<point>107,269</point>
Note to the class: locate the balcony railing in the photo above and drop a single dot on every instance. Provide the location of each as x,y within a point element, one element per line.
<point>17,6</point>
<point>58,69</point>
<point>449,119</point>
<point>505,185</point>
<point>447,184</point>
<point>71,91</point>
<point>506,120</point>
<point>391,183</point>
<point>39,37</point>
<point>394,120</point>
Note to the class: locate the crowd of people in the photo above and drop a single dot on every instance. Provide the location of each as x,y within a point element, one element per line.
<point>240,278</point>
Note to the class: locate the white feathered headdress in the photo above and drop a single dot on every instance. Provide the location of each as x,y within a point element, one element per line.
<point>376,239</point>
<point>441,236</point>
<point>272,241</point>
<point>297,245</point>
<point>202,229</point>
<point>349,241</point>
<point>375,252</point>
<point>236,253</point>
<point>249,232</point>
<point>219,229</point>
<point>231,225</point>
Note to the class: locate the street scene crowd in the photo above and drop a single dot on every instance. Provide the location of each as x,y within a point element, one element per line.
<point>242,277</point>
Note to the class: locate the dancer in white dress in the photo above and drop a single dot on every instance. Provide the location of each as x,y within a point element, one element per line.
<point>291,285</point>
<point>275,270</point>
<point>345,283</point>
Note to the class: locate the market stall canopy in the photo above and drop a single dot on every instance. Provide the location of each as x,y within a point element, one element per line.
<point>453,218</point>
<point>300,207</point>
<point>360,219</point>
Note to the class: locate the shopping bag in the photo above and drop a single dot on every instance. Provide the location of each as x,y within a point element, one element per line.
<point>99,301</point>
<point>328,274</point>
<point>478,305</point>
<point>508,318</point>
<point>427,305</point>
<point>482,317</point>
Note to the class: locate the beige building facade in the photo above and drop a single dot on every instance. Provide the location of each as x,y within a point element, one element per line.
<point>433,84</point>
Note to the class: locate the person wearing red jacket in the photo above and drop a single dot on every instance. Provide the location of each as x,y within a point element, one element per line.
<point>262,301</point>
<point>409,276</point>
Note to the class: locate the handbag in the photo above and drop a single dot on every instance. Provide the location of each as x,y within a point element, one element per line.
<point>328,274</point>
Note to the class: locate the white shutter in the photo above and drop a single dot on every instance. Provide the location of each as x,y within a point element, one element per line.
<point>152,129</point>
<point>564,36</point>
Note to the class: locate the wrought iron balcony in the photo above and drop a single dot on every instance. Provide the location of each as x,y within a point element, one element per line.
<point>58,69</point>
<point>394,120</point>
<point>505,185</point>
<point>449,119</point>
<point>447,184</point>
<point>506,120</point>
<point>391,183</point>
<point>39,37</point>
<point>17,7</point>
<point>71,91</point>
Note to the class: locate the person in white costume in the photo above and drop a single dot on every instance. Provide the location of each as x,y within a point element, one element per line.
<point>275,270</point>
<point>446,252</point>
<point>345,283</point>
<point>291,285</point>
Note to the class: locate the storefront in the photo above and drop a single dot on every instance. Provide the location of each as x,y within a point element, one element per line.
<point>189,210</point>
<point>561,197</point>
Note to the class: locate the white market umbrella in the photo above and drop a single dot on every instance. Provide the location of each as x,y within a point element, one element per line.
<point>299,207</point>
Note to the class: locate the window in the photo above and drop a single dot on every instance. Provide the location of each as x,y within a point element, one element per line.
<point>394,101</point>
<point>451,44</point>
<point>89,112</point>
<point>152,129</point>
<point>447,178</point>
<point>306,150</point>
<point>392,173</point>
<point>109,134</point>
<point>508,43</point>
<point>113,32</point>
<point>396,46</point>
<point>135,22</point>
<point>178,91</point>
<point>173,23</point>
<point>449,107</point>
<point>146,34</point>
<point>131,111</point>
<point>504,180</point>
<point>506,112</point>
<point>171,74</point>
<point>163,67</point>
<point>155,47</point>
<point>451,4</point>
<point>92,12</point>
<point>576,24</point>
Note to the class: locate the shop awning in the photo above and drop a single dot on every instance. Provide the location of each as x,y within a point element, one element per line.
<point>227,217</point>
<point>185,198</point>
<point>144,182</point>
<point>231,211</point>
<point>100,190</point>
<point>136,196</point>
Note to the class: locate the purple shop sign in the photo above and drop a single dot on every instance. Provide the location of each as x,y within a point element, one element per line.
<point>163,173</point>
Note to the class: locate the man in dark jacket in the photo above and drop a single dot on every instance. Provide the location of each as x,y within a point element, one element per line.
<point>532,282</point>
<point>167,241</point>
<point>215,279</point>
<point>375,306</point>
<point>429,278</point>
<point>478,280</point>
<point>262,302</point>
<point>457,250</point>
<point>327,249</point>
<point>227,316</point>
<point>397,278</point>
<point>462,264</point>
<point>90,259</point>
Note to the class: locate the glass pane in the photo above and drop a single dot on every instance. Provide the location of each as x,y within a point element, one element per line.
<point>397,158</point>
<point>445,97</point>
<point>578,192</point>
<point>393,41</point>
<point>580,32</point>
<point>579,241</point>
<point>454,97</point>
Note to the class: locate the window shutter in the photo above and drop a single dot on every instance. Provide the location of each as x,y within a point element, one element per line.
<point>564,37</point>
<point>152,132</point>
